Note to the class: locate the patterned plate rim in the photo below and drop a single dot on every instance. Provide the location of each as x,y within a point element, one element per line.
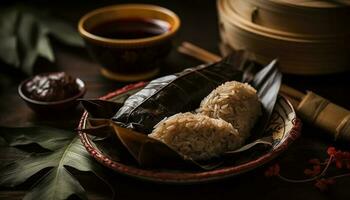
<point>183,177</point>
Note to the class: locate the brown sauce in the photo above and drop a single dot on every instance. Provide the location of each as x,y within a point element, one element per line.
<point>52,87</point>
<point>131,28</point>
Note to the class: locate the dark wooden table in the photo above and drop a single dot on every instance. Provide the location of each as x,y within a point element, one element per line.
<point>199,25</point>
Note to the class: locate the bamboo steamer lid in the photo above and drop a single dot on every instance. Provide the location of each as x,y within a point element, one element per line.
<point>316,3</point>
<point>298,16</point>
<point>299,53</point>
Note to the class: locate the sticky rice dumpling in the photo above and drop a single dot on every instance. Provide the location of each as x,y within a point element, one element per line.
<point>234,102</point>
<point>197,136</point>
<point>222,123</point>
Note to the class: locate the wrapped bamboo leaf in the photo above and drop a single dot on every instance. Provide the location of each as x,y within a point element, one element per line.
<point>169,95</point>
<point>100,108</point>
<point>149,152</point>
<point>180,92</point>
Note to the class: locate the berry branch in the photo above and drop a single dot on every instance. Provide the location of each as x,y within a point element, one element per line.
<point>340,159</point>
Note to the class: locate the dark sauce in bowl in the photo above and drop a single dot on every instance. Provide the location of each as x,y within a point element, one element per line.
<point>131,28</point>
<point>52,87</point>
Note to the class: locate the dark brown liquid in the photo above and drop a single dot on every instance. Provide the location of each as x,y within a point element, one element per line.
<point>131,28</point>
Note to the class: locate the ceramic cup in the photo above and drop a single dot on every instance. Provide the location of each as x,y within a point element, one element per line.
<point>123,58</point>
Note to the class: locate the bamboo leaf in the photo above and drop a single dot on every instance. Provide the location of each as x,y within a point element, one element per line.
<point>162,97</point>
<point>267,83</point>
<point>99,108</point>
<point>180,92</point>
<point>152,153</point>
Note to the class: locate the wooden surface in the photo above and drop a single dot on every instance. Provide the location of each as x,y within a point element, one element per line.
<point>199,25</point>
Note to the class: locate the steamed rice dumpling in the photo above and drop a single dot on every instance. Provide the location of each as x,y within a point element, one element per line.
<point>222,123</point>
<point>234,102</point>
<point>197,136</point>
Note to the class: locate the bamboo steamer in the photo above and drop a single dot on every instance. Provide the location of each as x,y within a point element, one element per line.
<point>305,47</point>
<point>298,16</point>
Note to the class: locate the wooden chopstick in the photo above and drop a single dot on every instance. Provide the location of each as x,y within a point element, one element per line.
<point>296,94</point>
<point>192,50</point>
<point>202,52</point>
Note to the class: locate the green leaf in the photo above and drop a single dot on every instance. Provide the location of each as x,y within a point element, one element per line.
<point>58,183</point>
<point>28,34</point>
<point>46,137</point>
<point>8,50</point>
<point>8,39</point>
<point>25,35</point>
<point>20,170</point>
<point>44,49</point>
<point>10,154</point>
<point>63,32</point>
<point>8,18</point>
<point>2,142</point>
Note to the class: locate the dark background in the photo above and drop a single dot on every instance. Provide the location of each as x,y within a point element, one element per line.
<point>199,25</point>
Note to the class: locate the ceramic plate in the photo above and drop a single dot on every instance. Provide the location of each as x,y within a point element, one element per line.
<point>284,126</point>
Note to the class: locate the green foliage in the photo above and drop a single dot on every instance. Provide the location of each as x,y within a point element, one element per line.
<point>63,149</point>
<point>24,36</point>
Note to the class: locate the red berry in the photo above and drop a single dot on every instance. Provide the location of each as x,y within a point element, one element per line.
<point>331,151</point>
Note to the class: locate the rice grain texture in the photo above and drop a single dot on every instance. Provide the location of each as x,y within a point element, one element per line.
<point>234,102</point>
<point>197,136</point>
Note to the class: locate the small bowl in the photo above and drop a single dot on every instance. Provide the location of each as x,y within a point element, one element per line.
<point>45,107</point>
<point>126,59</point>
